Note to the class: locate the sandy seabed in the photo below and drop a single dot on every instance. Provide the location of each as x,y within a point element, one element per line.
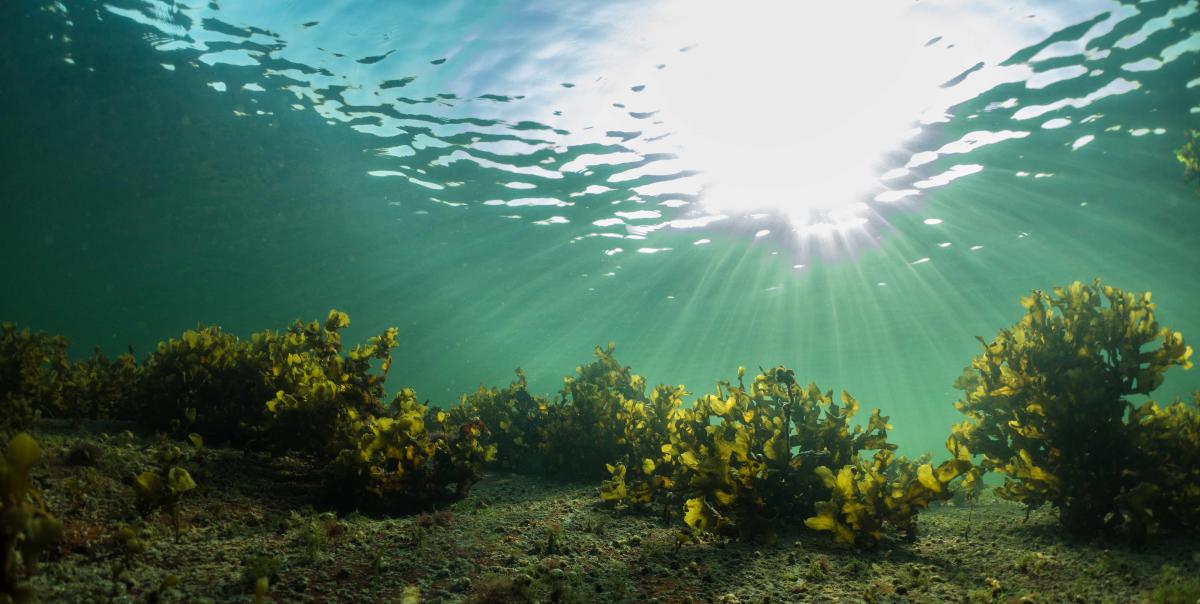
<point>526,539</point>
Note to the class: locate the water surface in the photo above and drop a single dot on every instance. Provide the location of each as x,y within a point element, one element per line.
<point>855,190</point>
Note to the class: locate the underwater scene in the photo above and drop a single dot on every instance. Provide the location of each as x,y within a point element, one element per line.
<point>632,301</point>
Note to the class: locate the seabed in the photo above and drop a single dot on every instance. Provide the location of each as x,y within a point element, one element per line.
<point>526,539</point>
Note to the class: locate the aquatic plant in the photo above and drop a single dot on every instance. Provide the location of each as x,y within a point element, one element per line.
<point>32,367</point>
<point>866,495</point>
<point>278,391</point>
<point>393,461</point>
<point>1046,406</point>
<point>101,388</point>
<point>594,420</point>
<point>586,427</point>
<point>1167,441</point>
<point>745,460</point>
<point>315,385</point>
<point>645,429</point>
<point>517,422</point>
<point>204,381</point>
<point>1189,156</point>
<point>164,489</point>
<point>27,529</point>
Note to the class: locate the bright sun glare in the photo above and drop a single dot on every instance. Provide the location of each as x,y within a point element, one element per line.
<point>792,107</point>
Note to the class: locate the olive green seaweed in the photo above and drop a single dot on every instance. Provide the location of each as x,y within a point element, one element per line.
<point>164,488</point>
<point>32,365</point>
<point>749,460</point>
<point>26,527</point>
<point>1047,406</point>
<point>1189,156</point>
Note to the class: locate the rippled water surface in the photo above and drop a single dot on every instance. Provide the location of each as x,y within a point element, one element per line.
<point>855,189</point>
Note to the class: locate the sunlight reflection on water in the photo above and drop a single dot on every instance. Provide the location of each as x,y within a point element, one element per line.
<point>795,122</point>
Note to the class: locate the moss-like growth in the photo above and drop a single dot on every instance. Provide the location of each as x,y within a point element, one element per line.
<point>32,370</point>
<point>1047,406</point>
<point>26,528</point>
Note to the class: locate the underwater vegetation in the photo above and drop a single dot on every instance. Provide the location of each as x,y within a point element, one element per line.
<point>297,391</point>
<point>516,420</point>
<point>33,366</point>
<point>394,461</point>
<point>26,528</point>
<point>745,461</point>
<point>278,391</point>
<point>1189,156</point>
<point>1047,407</point>
<point>751,460</point>
<point>165,488</point>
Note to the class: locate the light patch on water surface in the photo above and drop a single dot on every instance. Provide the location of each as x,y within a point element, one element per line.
<point>954,173</point>
<point>894,196</point>
<point>1116,87</point>
<point>639,214</point>
<point>1083,140</point>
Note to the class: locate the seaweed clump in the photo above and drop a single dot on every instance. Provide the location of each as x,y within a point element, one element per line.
<point>296,391</point>
<point>1047,406</point>
<point>515,419</point>
<point>868,494</point>
<point>278,391</point>
<point>38,379</point>
<point>26,528</point>
<point>1189,156</point>
<point>747,460</point>
<point>598,417</point>
<point>585,429</point>
<point>32,365</point>
<point>393,460</point>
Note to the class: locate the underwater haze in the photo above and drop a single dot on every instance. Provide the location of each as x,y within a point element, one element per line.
<point>854,189</point>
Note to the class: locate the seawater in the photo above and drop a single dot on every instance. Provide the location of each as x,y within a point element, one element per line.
<point>856,190</point>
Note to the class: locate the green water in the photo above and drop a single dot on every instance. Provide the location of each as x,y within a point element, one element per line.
<point>550,187</point>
